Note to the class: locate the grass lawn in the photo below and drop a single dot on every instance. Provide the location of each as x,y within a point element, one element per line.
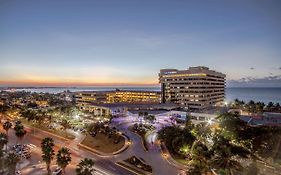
<point>61,133</point>
<point>102,143</point>
<point>180,159</point>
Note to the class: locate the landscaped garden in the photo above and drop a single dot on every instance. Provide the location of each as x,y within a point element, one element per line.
<point>103,139</point>
<point>137,165</point>
<point>231,148</point>
<point>141,130</point>
<point>59,131</point>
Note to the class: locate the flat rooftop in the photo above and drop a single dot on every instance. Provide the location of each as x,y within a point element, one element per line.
<point>119,90</point>
<point>138,105</point>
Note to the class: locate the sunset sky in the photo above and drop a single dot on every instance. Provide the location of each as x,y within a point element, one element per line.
<point>84,43</point>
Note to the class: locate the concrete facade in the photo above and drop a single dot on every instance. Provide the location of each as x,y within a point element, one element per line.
<point>194,88</point>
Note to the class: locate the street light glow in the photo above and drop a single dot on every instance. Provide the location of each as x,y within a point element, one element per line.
<point>210,122</point>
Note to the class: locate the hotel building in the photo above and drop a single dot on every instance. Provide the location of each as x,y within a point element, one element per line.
<point>194,88</point>
<point>98,101</point>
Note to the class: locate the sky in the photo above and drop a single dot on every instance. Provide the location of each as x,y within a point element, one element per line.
<point>109,42</point>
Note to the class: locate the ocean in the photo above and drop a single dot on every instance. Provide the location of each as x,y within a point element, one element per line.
<point>246,94</point>
<point>256,94</point>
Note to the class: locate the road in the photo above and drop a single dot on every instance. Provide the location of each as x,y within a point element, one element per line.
<point>153,156</point>
<point>34,165</point>
<point>103,164</point>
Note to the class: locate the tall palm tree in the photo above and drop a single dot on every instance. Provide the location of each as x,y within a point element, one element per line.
<point>19,130</point>
<point>226,154</point>
<point>20,133</point>
<point>200,156</point>
<point>3,140</point>
<point>11,162</point>
<point>227,163</point>
<point>48,152</point>
<point>63,158</point>
<point>7,125</point>
<point>85,167</point>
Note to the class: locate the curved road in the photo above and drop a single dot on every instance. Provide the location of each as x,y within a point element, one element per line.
<point>104,165</point>
<point>153,157</point>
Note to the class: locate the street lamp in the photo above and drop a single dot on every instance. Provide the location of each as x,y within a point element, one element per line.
<point>225,103</point>
<point>76,116</point>
<point>210,122</point>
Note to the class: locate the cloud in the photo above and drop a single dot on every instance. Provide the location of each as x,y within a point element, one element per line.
<point>252,68</point>
<point>269,81</point>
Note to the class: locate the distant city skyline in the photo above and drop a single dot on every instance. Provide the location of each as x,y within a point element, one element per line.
<point>126,43</point>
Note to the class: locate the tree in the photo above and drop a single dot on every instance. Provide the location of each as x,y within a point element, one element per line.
<point>85,167</point>
<point>202,131</point>
<point>65,123</point>
<point>19,130</point>
<point>11,162</point>
<point>140,114</point>
<point>3,140</point>
<point>150,118</point>
<point>225,155</point>
<point>265,141</point>
<point>194,170</point>
<point>270,105</point>
<point>200,155</point>
<point>7,125</point>
<point>176,139</point>
<point>63,158</point>
<point>145,113</point>
<point>28,114</point>
<point>251,106</point>
<point>3,109</point>
<point>48,152</point>
<point>238,104</point>
<point>232,127</point>
<point>252,169</point>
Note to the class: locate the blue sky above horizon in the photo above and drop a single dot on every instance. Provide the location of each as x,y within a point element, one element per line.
<point>127,42</point>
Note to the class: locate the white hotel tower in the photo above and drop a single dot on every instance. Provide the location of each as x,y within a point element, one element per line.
<point>194,88</point>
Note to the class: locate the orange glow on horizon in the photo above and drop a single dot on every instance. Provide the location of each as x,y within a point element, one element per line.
<point>73,83</point>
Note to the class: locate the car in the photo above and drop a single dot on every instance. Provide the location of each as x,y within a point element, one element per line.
<point>28,156</point>
<point>58,171</point>
<point>19,147</point>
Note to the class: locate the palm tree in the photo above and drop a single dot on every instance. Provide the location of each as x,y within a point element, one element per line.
<point>225,155</point>
<point>63,158</point>
<point>3,140</point>
<point>226,163</point>
<point>7,125</point>
<point>200,156</point>
<point>140,114</point>
<point>48,152</point>
<point>19,130</point>
<point>11,162</point>
<point>85,167</point>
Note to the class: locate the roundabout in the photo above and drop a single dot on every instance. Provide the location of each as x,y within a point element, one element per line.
<point>153,156</point>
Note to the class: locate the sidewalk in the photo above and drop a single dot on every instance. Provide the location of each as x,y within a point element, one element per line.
<point>170,159</point>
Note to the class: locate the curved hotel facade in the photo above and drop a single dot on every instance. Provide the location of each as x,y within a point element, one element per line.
<point>194,88</point>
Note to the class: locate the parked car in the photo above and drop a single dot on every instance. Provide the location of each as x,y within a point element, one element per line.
<point>58,171</point>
